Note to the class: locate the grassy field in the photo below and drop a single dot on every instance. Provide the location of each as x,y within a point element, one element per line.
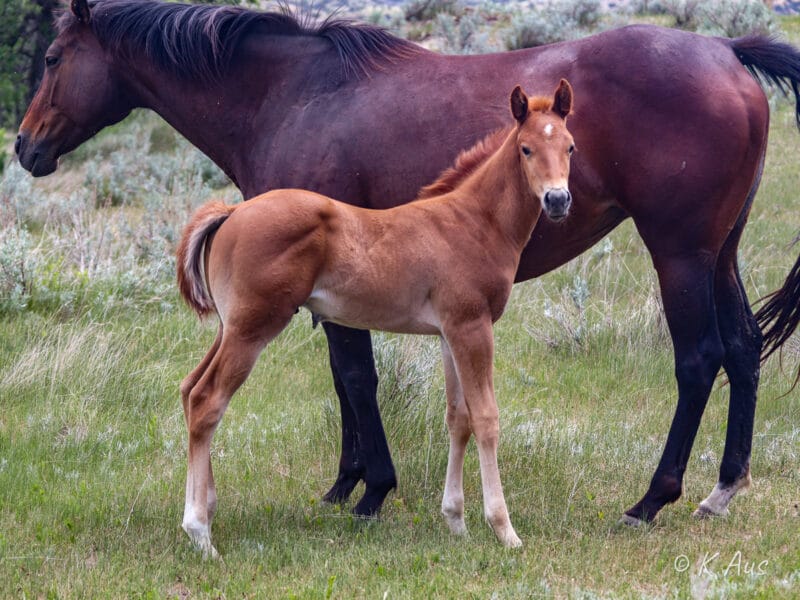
<point>92,439</point>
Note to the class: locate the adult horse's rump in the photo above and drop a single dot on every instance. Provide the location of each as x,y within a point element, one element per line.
<point>673,136</point>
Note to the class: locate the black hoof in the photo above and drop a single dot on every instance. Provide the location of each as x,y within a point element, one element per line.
<point>372,500</point>
<point>343,487</point>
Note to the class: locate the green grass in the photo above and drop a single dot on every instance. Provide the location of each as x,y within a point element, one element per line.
<point>92,449</point>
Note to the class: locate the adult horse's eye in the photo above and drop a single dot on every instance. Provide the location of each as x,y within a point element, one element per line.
<point>51,61</point>
<point>571,149</point>
<point>526,151</point>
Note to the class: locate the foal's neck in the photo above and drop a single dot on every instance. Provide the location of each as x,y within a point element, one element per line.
<point>499,188</point>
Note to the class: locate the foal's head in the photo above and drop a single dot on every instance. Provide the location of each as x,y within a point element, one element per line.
<point>545,146</point>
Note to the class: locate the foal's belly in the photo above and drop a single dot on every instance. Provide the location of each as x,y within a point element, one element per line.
<point>379,311</point>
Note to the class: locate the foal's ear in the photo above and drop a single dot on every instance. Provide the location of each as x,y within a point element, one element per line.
<point>562,99</point>
<point>80,8</point>
<point>519,105</point>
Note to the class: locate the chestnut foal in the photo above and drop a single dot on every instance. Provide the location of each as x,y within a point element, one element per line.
<point>442,265</point>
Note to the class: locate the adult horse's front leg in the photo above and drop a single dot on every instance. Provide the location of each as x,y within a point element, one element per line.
<point>688,296</point>
<point>351,471</point>
<point>365,452</point>
<point>472,348</point>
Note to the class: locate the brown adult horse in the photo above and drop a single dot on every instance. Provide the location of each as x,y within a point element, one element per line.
<point>442,266</point>
<point>675,139</point>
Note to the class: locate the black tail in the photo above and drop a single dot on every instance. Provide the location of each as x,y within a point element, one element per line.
<point>777,63</point>
<point>772,62</point>
<point>780,315</point>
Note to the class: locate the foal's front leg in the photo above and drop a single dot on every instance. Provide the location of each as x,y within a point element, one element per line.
<point>457,419</point>
<point>472,348</point>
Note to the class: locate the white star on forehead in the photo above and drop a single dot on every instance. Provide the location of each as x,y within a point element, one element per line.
<point>548,129</point>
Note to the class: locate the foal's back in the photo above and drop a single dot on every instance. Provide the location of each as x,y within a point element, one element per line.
<point>376,269</point>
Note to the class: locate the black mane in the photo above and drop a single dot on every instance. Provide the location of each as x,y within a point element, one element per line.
<point>198,41</point>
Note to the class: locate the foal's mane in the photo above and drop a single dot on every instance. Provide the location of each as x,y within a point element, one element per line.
<point>198,41</point>
<point>468,161</point>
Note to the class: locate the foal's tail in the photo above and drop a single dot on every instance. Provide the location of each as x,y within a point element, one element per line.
<point>777,63</point>
<point>191,280</point>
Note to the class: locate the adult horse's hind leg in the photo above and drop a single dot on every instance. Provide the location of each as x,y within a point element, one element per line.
<point>742,340</point>
<point>457,420</point>
<point>365,451</point>
<point>687,291</point>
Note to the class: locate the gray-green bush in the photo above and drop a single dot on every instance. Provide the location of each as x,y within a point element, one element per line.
<point>465,34</point>
<point>110,241</point>
<point>554,21</point>
<point>425,10</point>
<point>734,18</point>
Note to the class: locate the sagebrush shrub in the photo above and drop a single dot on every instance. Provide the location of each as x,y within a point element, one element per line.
<point>735,18</point>
<point>685,12</point>
<point>425,10</point>
<point>465,35</point>
<point>109,242</point>
<point>554,21</point>
<point>16,268</point>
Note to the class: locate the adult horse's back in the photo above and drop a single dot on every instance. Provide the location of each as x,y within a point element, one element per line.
<point>671,131</point>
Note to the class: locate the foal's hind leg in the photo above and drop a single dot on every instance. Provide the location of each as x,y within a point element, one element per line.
<point>457,419</point>
<point>206,403</point>
<point>472,349</point>
<point>742,339</point>
<point>186,387</point>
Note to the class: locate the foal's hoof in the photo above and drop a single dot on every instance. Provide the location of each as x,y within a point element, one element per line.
<point>456,525</point>
<point>207,550</point>
<point>211,553</point>
<point>510,540</point>
<point>505,533</point>
<point>201,540</point>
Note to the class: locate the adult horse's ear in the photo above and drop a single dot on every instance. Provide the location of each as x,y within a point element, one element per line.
<point>562,99</point>
<point>80,8</point>
<point>519,105</point>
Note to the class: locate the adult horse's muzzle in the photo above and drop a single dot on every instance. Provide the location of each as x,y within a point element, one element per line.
<point>556,203</point>
<point>37,158</point>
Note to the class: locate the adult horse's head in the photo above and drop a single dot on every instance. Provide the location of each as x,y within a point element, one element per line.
<point>78,96</point>
<point>545,146</point>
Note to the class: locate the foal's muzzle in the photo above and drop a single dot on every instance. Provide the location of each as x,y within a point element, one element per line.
<point>556,203</point>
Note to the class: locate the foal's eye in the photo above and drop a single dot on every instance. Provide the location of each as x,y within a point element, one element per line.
<point>51,61</point>
<point>571,149</point>
<point>526,151</point>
